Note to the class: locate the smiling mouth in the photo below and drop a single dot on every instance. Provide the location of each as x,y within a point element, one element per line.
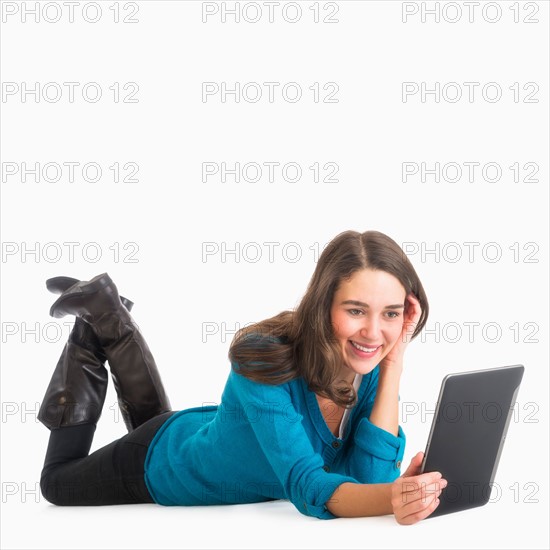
<point>363,348</point>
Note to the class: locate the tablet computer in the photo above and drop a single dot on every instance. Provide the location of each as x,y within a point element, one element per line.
<point>468,432</point>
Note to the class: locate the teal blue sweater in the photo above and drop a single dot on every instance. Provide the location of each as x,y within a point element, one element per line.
<point>266,442</point>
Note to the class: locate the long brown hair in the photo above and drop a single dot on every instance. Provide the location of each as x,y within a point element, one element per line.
<point>301,342</point>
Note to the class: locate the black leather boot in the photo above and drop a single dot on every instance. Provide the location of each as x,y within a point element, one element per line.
<point>77,389</point>
<point>141,394</point>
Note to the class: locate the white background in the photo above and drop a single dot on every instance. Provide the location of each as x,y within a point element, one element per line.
<point>170,213</point>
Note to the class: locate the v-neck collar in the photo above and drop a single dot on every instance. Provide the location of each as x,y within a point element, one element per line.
<point>316,414</point>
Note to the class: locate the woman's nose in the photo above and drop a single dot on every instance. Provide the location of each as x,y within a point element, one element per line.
<point>371,331</point>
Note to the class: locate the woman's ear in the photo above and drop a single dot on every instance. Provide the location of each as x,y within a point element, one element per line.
<point>408,303</point>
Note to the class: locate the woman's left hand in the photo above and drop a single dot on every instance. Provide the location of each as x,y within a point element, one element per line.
<point>411,315</point>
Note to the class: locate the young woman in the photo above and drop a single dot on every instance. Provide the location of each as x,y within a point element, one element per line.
<point>309,412</point>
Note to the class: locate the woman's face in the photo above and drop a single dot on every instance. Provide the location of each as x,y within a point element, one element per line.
<point>368,311</point>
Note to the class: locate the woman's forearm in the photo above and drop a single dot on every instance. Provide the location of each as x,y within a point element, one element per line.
<point>385,411</point>
<point>352,500</point>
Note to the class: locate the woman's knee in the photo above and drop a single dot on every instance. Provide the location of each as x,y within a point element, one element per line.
<point>52,490</point>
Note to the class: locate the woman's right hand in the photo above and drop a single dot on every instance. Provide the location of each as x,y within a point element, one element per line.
<point>414,495</point>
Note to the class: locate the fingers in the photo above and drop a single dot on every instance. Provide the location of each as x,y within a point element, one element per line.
<point>414,466</point>
<point>417,484</point>
<point>413,490</point>
<point>415,498</point>
<point>421,513</point>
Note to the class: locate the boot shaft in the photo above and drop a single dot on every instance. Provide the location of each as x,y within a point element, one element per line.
<point>77,389</point>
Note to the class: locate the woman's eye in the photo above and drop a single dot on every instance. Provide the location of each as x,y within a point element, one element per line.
<point>394,314</point>
<point>352,310</point>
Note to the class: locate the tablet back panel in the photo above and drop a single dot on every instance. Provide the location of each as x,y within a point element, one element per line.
<point>468,432</point>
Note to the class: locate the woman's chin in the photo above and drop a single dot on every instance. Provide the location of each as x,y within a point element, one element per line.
<point>362,367</point>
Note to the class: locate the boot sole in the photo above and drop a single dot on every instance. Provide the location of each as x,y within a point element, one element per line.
<point>90,287</point>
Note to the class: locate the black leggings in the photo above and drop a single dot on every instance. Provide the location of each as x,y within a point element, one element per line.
<point>113,474</point>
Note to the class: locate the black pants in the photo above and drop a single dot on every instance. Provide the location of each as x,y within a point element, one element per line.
<point>113,474</point>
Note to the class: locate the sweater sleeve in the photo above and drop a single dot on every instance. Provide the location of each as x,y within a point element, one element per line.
<point>375,454</point>
<point>279,431</point>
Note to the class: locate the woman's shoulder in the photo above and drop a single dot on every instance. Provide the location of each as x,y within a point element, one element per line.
<point>239,375</point>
